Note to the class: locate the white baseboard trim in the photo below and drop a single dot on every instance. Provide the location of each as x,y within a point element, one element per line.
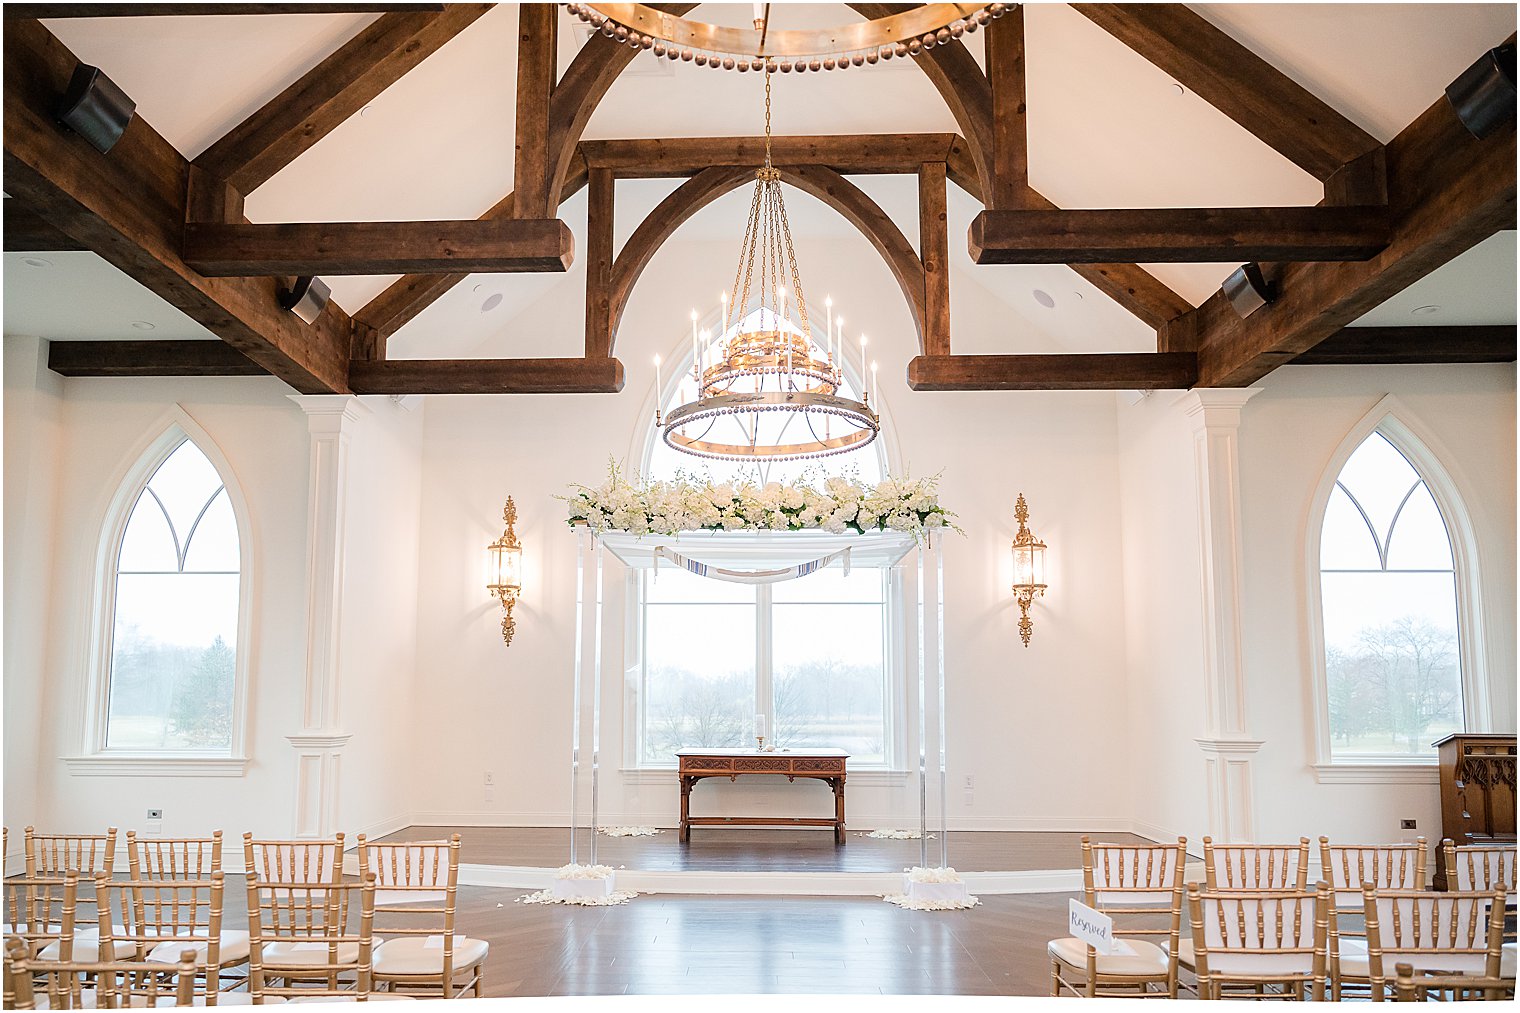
<point>804,884</point>
<point>380,828</point>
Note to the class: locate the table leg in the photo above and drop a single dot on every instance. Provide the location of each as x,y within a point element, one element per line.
<point>839,811</point>
<point>685,834</point>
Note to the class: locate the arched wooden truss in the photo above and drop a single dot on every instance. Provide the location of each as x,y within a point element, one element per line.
<point>604,312</point>
<point>1389,216</point>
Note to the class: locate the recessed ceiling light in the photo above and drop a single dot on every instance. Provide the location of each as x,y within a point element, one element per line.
<point>1424,311</point>
<point>366,110</point>
<point>492,301</point>
<point>142,325</point>
<point>478,288</point>
<point>1079,295</point>
<point>36,262</point>
<point>1178,89</point>
<point>1043,298</point>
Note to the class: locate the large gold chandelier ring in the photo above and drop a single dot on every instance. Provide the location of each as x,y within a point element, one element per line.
<point>906,33</point>
<point>711,408</point>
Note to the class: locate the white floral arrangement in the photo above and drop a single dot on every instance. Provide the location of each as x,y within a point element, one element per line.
<point>628,831</point>
<point>919,874</point>
<point>581,872</point>
<point>584,872</point>
<point>838,505</point>
<point>938,897</point>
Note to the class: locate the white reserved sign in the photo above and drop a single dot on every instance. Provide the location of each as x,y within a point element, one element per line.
<point>1094,928</point>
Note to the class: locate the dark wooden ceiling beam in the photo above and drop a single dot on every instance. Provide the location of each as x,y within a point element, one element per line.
<point>1010,129</point>
<point>849,154</point>
<point>324,248</point>
<point>129,207</point>
<point>150,358</point>
<point>1371,346</point>
<point>934,258</point>
<point>532,180</point>
<point>332,91</point>
<point>410,294</point>
<point>152,10</point>
<point>1228,76</point>
<point>1447,192</point>
<point>1094,371</point>
<point>25,232</point>
<point>1178,235</point>
<point>1134,288</point>
<point>600,188</point>
<point>601,375</point>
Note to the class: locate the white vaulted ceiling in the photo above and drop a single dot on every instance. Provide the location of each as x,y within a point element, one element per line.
<point>1106,129</point>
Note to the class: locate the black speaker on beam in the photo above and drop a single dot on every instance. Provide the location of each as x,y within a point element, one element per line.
<point>1484,94</point>
<point>1247,290</point>
<point>306,298</point>
<point>95,107</point>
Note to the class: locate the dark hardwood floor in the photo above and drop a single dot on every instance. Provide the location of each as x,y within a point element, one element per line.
<point>724,945</point>
<point>749,850</point>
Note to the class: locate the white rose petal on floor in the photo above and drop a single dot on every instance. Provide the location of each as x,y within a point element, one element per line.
<point>628,831</point>
<point>897,835</point>
<point>584,885</point>
<point>933,889</point>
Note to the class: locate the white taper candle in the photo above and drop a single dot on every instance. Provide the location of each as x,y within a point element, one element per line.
<point>862,360</point>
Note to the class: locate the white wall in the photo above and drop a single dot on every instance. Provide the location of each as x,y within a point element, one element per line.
<point>106,425</point>
<point>1288,435</point>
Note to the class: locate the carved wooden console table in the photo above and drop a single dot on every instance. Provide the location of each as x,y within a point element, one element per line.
<point>826,765</point>
<point>1477,791</point>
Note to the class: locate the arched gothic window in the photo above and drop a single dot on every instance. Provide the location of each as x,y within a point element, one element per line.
<point>173,612</point>
<point>1389,599</point>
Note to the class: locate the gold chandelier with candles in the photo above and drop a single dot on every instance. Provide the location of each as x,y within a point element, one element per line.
<point>768,392</point>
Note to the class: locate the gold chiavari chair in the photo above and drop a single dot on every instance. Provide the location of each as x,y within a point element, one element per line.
<point>1347,868</point>
<point>300,936</point>
<point>173,857</point>
<point>428,954</point>
<point>1260,944</point>
<point>309,861</point>
<point>1409,988</point>
<point>164,917</point>
<point>89,855</point>
<point>115,985</point>
<point>42,915</point>
<point>1457,934</point>
<point>1486,867</point>
<point>1136,886</point>
<point>1229,867</point>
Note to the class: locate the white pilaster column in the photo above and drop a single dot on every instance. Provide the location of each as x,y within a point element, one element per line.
<point>330,421</point>
<point>1228,747</point>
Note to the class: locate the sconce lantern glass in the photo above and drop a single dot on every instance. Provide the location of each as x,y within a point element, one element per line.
<point>506,569</point>
<point>1028,568</point>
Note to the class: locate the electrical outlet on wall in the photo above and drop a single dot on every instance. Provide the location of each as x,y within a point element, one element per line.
<point>490,779</point>
<point>1407,825</point>
<point>969,782</point>
<point>154,825</point>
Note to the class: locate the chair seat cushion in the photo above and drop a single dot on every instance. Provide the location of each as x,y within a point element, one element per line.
<point>234,949</point>
<point>414,955</point>
<point>1355,964</point>
<point>87,947</point>
<point>304,952</point>
<point>1184,953</point>
<point>1130,956</point>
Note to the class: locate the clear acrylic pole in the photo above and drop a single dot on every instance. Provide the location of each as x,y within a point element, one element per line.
<point>923,723</point>
<point>936,548</point>
<point>596,694</point>
<point>583,537</point>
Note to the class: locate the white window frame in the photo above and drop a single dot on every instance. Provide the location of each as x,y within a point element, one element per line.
<point>95,758</point>
<point>895,672</point>
<point>1425,454</point>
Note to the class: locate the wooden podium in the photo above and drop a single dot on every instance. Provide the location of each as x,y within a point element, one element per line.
<point>1477,792</point>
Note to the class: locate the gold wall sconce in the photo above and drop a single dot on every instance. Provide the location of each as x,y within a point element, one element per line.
<point>506,570</point>
<point>1028,568</point>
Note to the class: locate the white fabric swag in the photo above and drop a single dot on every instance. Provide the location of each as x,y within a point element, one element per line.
<point>749,576</point>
